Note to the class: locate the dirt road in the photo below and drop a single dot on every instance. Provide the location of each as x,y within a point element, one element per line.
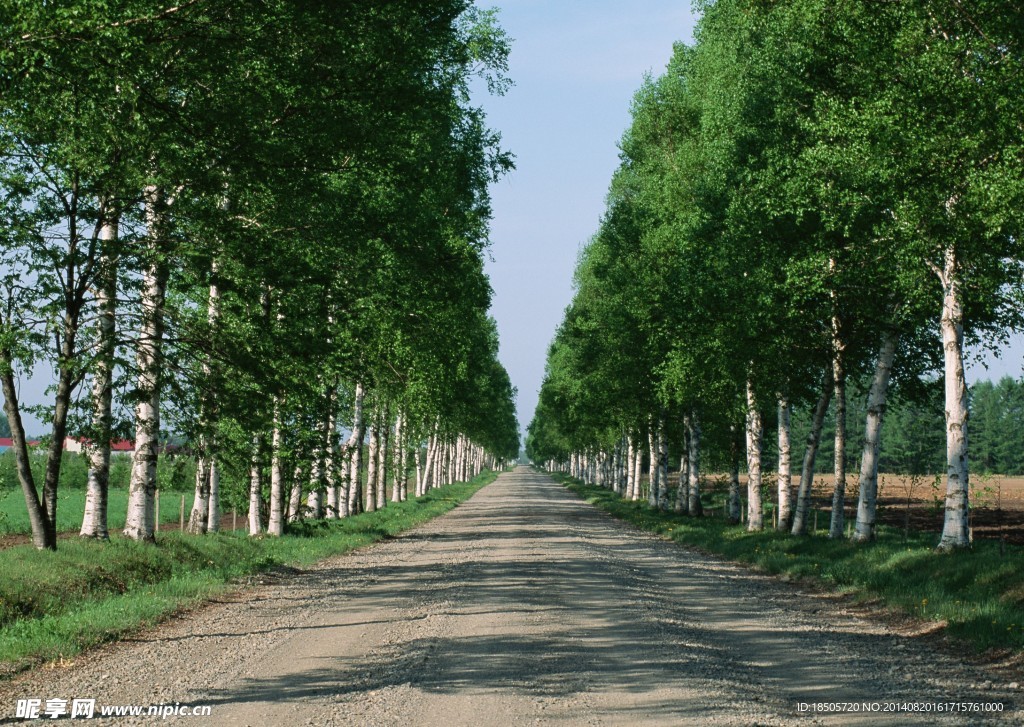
<point>522,606</point>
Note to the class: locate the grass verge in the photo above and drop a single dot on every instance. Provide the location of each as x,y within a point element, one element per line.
<point>978,594</point>
<point>54,605</point>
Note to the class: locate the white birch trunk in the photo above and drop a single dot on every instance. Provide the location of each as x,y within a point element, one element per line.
<point>616,460</point>
<point>201,499</point>
<point>955,527</point>
<point>371,464</point>
<point>630,468</point>
<point>696,509</point>
<point>382,464</point>
<point>663,503</point>
<point>213,519</point>
<point>353,447</point>
<point>755,433</point>
<point>275,524</point>
<point>418,461</point>
<point>255,490</point>
<point>330,471</point>
<point>399,477</point>
<point>785,467</point>
<point>210,407</point>
<point>429,466</point>
<point>139,519</point>
<point>652,453</point>
<point>877,395</point>
<point>683,489</point>
<point>837,523</point>
<point>314,498</point>
<point>94,522</point>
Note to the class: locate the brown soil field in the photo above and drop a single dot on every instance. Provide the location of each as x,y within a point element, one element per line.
<point>997,501</point>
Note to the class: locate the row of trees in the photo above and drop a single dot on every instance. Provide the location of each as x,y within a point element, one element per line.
<point>261,226</point>
<point>815,192</point>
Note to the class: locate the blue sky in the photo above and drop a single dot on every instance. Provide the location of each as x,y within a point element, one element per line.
<point>575,65</point>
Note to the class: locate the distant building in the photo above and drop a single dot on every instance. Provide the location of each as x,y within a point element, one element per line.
<point>6,443</point>
<point>117,446</point>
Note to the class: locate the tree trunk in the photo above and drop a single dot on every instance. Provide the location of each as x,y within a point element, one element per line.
<point>803,497</point>
<point>683,489</point>
<point>877,394</point>
<point>139,521</point>
<point>955,528</point>
<point>36,514</point>
<point>255,490</point>
<point>695,508</point>
<point>662,465</point>
<point>213,516</point>
<point>197,519</point>
<point>631,468</point>
<point>94,521</point>
<point>382,455</point>
<point>330,447</point>
<point>755,433</point>
<point>418,462</point>
<point>399,477</point>
<point>371,463</point>
<point>211,409</point>
<point>785,468</point>
<point>836,525</point>
<point>652,454</point>
<point>275,524</point>
<point>353,447</point>
<point>314,498</point>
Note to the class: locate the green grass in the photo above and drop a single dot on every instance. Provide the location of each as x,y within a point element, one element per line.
<point>978,594</point>
<point>71,506</point>
<point>53,605</point>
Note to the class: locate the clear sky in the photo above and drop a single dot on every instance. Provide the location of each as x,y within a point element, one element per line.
<point>575,65</point>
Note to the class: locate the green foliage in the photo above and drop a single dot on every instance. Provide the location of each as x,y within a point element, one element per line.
<point>321,166</point>
<point>789,187</point>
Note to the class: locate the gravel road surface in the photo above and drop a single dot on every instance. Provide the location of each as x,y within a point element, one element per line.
<point>522,606</point>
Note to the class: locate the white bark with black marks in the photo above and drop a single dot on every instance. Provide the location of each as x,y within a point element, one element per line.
<point>785,483</point>
<point>94,521</point>
<point>139,520</point>
<point>755,435</point>
<point>877,395</point>
<point>694,506</point>
<point>955,527</point>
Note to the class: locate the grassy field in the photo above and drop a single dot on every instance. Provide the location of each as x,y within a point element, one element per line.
<point>71,506</point>
<point>978,595</point>
<point>53,605</point>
